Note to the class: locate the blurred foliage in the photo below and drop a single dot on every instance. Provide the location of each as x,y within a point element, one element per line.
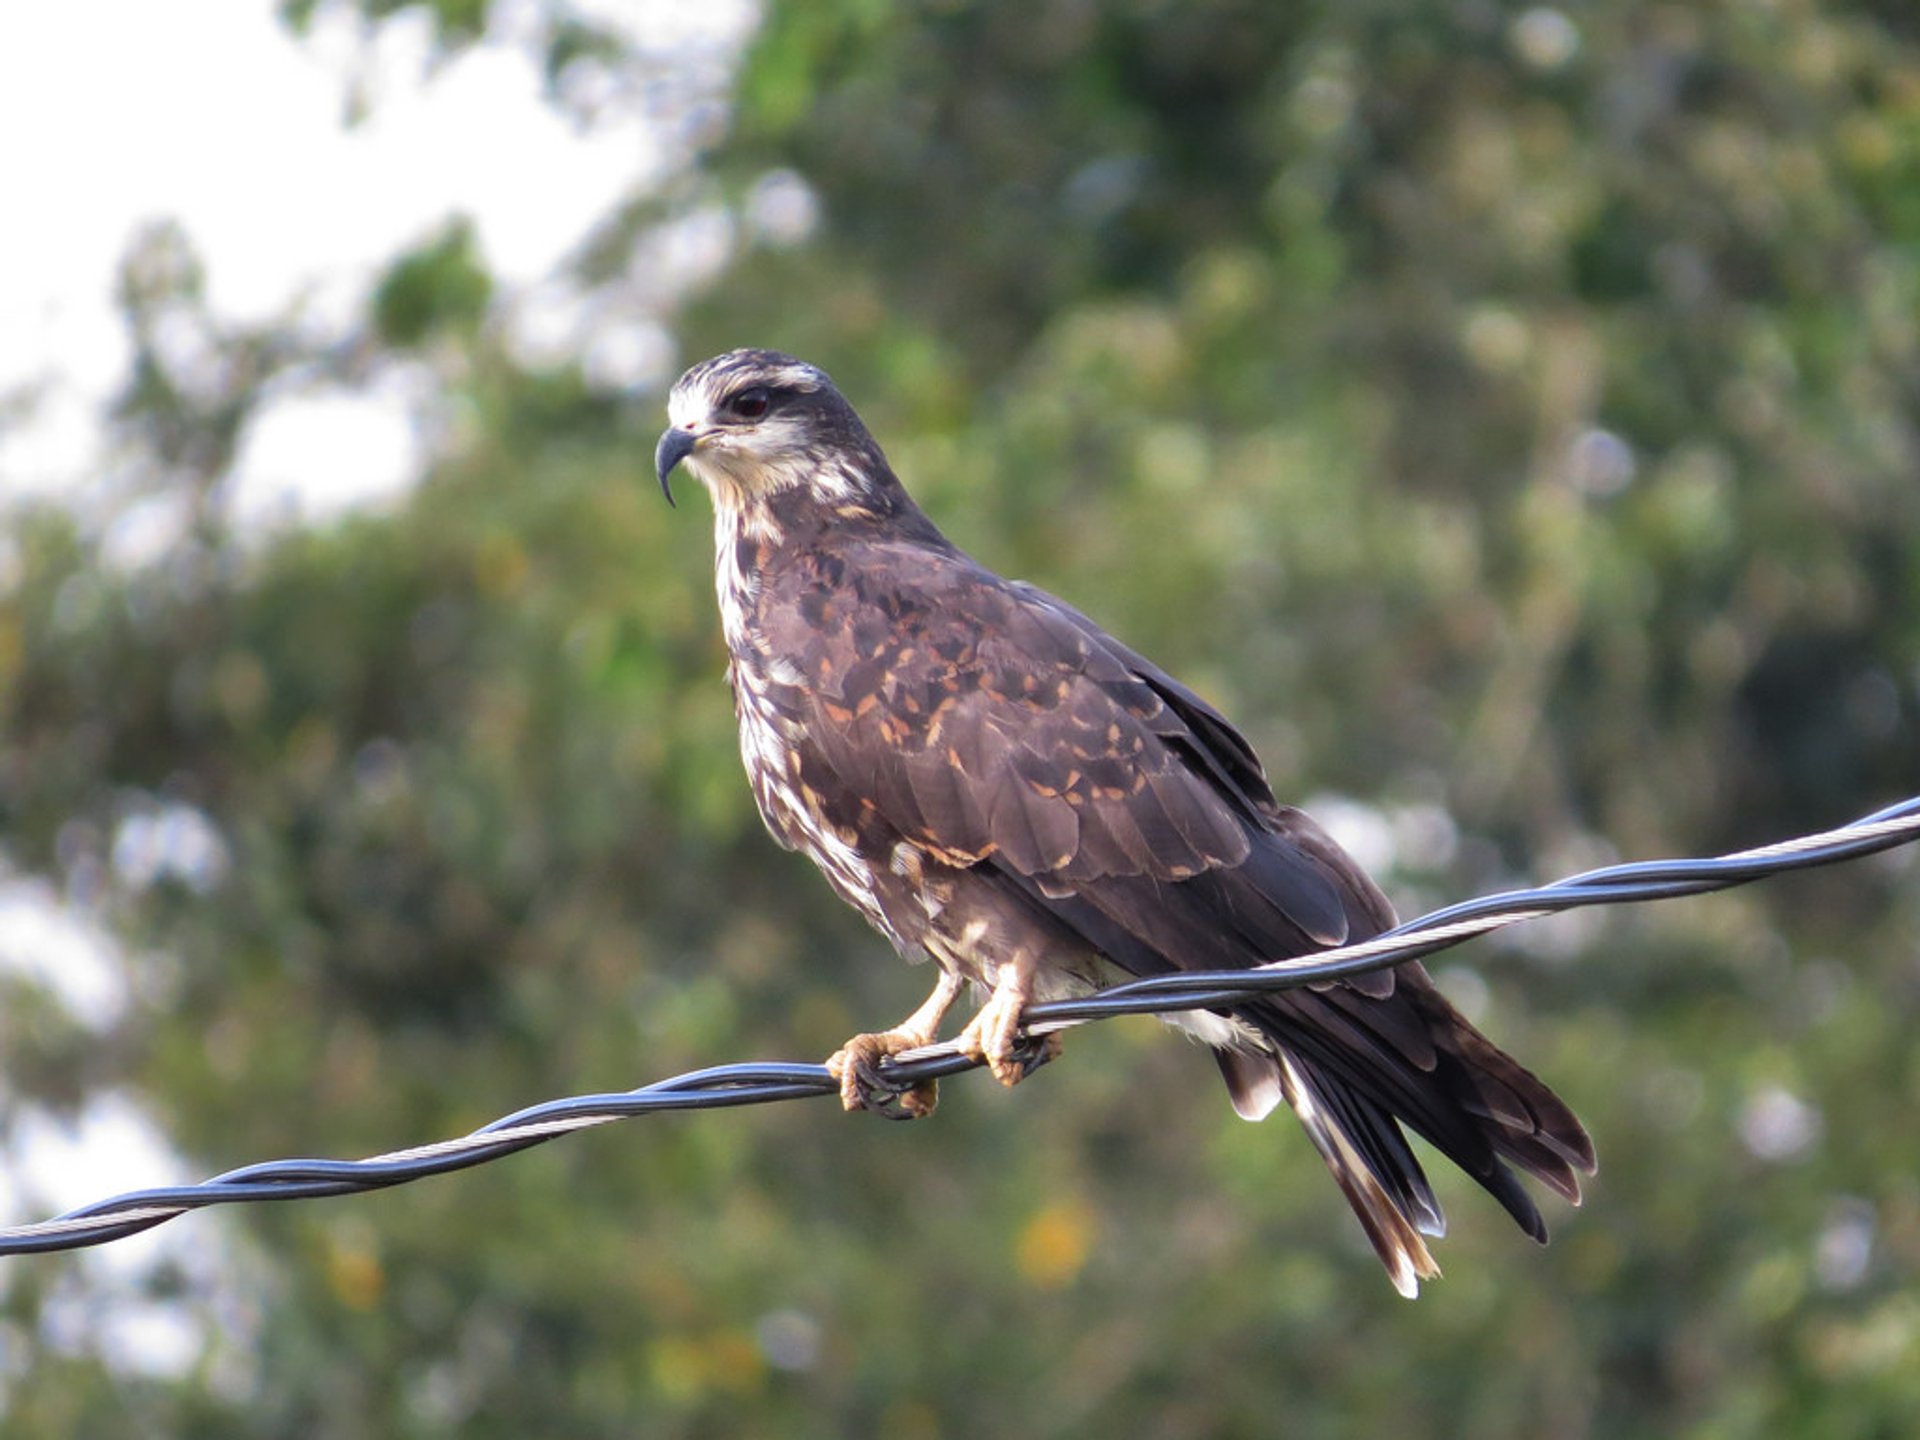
<point>441,285</point>
<point>1508,413</point>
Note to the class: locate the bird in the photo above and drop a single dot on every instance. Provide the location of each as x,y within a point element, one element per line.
<point>1001,787</point>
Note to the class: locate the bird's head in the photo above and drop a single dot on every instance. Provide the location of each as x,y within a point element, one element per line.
<point>752,423</point>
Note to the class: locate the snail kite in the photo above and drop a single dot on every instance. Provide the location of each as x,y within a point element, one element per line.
<point>995,782</point>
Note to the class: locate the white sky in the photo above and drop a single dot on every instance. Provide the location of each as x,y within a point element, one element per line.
<point>117,113</point>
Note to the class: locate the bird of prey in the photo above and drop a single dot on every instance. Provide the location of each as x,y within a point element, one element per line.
<point>995,782</point>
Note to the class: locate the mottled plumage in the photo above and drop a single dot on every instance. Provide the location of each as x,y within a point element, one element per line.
<point>996,783</point>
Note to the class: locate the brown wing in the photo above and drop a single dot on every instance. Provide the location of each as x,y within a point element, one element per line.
<point>998,728</point>
<point>991,725</point>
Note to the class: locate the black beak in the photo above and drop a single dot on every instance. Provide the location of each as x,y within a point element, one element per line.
<point>674,447</point>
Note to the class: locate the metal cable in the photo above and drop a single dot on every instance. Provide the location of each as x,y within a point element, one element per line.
<point>756,1084</point>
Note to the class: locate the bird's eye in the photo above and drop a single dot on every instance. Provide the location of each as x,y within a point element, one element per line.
<point>750,404</point>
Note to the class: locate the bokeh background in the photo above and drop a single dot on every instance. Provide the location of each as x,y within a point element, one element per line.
<point>1510,413</point>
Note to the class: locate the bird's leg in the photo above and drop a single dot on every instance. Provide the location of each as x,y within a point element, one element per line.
<point>856,1064</point>
<point>993,1034</point>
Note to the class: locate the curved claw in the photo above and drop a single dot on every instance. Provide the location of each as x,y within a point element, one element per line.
<point>864,1086</point>
<point>1010,1055</point>
<point>993,1035</point>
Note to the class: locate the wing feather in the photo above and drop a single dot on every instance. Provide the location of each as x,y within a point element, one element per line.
<point>997,728</point>
<point>985,719</point>
<point>946,810</point>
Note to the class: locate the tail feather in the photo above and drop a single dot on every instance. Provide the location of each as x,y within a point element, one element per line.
<point>1259,1082</point>
<point>1395,1237</point>
<point>1354,1068</point>
<point>1383,1148</point>
<point>1536,1130</point>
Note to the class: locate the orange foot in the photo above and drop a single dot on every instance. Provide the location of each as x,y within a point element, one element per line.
<point>856,1065</point>
<point>993,1035</point>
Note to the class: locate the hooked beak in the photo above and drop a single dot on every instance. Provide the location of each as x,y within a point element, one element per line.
<point>674,447</point>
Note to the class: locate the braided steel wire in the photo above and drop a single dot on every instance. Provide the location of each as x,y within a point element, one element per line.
<point>762,1083</point>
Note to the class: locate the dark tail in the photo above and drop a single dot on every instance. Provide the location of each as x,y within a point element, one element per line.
<point>1355,1067</point>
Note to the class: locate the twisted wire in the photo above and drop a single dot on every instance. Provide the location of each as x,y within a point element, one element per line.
<point>762,1083</point>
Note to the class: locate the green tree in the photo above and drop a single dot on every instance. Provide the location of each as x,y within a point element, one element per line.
<point>1508,414</point>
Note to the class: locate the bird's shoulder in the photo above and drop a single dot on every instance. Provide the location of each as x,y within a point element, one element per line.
<point>982,716</point>
<point>870,618</point>
<point>917,633</point>
<point>987,720</point>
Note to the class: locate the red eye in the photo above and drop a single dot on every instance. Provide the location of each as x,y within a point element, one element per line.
<point>750,404</point>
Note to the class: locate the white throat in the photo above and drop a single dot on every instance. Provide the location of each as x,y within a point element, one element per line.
<point>738,528</point>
